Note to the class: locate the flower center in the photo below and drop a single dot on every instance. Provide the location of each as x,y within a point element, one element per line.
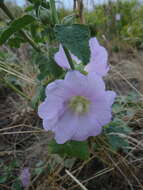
<point>79,104</point>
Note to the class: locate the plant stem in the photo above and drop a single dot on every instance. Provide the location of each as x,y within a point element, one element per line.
<point>69,57</point>
<point>54,12</point>
<point>6,10</point>
<point>56,21</point>
<point>9,14</point>
<point>31,42</point>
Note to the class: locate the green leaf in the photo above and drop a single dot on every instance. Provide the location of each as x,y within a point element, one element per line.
<point>42,3</point>
<point>117,126</point>
<point>75,38</point>
<point>3,179</point>
<point>45,17</point>
<point>70,149</point>
<point>16,26</point>
<point>47,66</point>
<point>15,164</point>
<point>29,8</point>
<point>3,55</point>
<point>117,108</point>
<point>69,19</point>
<point>34,29</point>
<point>38,171</point>
<point>39,96</point>
<point>117,143</point>
<point>15,42</point>
<point>17,185</point>
<point>45,4</point>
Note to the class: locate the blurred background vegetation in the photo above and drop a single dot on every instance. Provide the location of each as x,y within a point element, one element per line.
<point>102,19</point>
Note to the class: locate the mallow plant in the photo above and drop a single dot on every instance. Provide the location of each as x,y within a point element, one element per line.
<point>77,106</point>
<point>72,99</point>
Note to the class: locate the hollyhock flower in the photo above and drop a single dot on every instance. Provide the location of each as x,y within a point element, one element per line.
<point>76,107</point>
<point>25,177</point>
<point>97,62</point>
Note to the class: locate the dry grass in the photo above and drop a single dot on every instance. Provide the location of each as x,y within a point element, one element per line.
<point>23,138</point>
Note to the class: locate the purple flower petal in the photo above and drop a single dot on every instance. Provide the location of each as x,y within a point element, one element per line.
<point>61,58</point>
<point>110,96</point>
<point>96,83</point>
<point>66,127</point>
<point>49,124</point>
<point>25,177</point>
<point>77,82</point>
<point>76,107</point>
<point>101,112</point>
<point>57,88</point>
<point>98,59</point>
<point>47,109</point>
<point>86,127</point>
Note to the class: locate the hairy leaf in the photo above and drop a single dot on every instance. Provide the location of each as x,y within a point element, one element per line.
<point>16,26</point>
<point>115,132</point>
<point>47,66</point>
<point>75,38</point>
<point>70,149</point>
<point>15,42</point>
<point>3,179</point>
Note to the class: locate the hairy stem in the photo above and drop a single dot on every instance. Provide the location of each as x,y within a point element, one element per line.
<point>56,21</point>
<point>69,57</point>
<point>54,12</point>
